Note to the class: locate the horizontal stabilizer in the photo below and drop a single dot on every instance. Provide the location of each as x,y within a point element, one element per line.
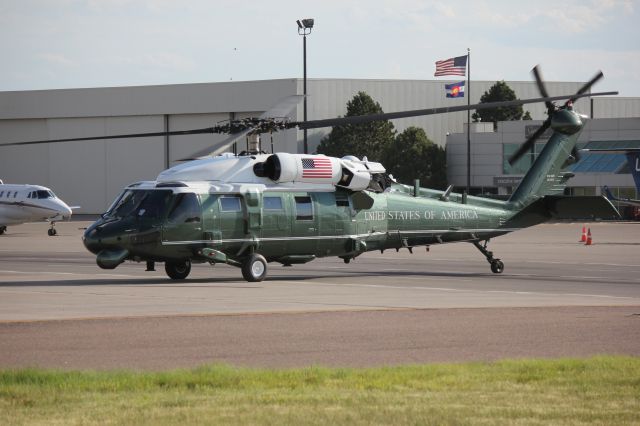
<point>587,207</point>
<point>564,207</point>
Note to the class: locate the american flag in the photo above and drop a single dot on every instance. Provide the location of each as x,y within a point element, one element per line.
<point>317,168</point>
<point>452,66</point>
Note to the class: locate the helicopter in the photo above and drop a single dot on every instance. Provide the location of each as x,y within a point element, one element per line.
<point>256,208</point>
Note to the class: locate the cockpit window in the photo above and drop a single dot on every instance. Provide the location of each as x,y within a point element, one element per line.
<point>140,203</point>
<point>154,204</point>
<point>186,209</point>
<point>44,194</point>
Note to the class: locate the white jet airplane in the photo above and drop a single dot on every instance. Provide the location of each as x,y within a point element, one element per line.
<point>30,203</point>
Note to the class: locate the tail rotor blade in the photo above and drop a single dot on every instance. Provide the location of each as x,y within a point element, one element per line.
<point>537,74</point>
<point>588,85</point>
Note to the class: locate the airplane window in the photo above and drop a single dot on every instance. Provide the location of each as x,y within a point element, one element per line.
<point>272,203</point>
<point>1,193</point>
<point>230,204</point>
<point>43,194</point>
<point>186,209</point>
<point>15,194</point>
<point>304,209</point>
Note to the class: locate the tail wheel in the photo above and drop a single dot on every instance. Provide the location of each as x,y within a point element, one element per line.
<point>254,268</point>
<point>178,270</point>
<point>497,266</point>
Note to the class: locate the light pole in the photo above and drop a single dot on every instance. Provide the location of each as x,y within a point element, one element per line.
<point>304,29</point>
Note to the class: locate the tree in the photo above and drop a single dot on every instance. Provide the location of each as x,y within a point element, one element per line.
<point>368,139</point>
<point>415,156</point>
<point>497,93</point>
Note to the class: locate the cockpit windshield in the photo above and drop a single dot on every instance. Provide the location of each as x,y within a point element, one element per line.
<point>140,203</point>
<point>42,194</point>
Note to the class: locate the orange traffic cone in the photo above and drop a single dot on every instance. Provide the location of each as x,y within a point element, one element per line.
<point>584,235</point>
<point>589,240</point>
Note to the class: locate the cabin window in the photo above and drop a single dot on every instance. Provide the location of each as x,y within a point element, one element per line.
<point>304,208</point>
<point>273,203</point>
<point>1,193</point>
<point>342,201</point>
<point>230,204</point>
<point>186,209</point>
<point>15,194</point>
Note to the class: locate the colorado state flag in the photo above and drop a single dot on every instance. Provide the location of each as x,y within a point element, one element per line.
<point>455,90</point>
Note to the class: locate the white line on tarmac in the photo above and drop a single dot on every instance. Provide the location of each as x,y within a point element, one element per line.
<point>67,273</point>
<point>456,290</point>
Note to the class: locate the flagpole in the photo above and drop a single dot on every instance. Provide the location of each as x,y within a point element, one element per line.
<point>468,90</point>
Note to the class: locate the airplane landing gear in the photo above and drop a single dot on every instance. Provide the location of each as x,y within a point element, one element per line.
<point>496,264</point>
<point>3,229</point>
<point>52,231</point>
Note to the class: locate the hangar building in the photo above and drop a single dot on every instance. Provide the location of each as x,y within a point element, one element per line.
<point>92,173</point>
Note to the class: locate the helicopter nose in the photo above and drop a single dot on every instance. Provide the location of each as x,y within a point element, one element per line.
<point>91,240</point>
<point>100,236</point>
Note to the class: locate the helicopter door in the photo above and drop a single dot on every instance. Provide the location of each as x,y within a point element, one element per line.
<point>233,223</point>
<point>184,222</point>
<point>305,225</point>
<point>275,223</point>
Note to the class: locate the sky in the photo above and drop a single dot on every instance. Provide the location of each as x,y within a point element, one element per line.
<point>56,44</point>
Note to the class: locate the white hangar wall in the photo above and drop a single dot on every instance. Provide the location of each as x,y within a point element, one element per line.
<point>91,173</point>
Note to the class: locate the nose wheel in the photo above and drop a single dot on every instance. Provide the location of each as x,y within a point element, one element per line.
<point>178,270</point>
<point>52,231</point>
<point>496,264</point>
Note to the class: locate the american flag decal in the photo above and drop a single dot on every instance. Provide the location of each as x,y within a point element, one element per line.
<point>317,168</point>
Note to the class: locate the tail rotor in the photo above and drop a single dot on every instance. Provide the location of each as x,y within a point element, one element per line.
<point>551,109</point>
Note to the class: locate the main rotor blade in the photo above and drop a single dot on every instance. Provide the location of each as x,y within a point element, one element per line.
<point>219,147</point>
<point>281,109</point>
<point>133,135</point>
<point>537,74</point>
<point>359,119</point>
<point>529,143</point>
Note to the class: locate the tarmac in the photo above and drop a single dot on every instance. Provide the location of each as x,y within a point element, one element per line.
<point>555,298</point>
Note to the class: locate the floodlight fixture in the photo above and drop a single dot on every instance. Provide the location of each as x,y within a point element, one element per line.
<point>304,29</point>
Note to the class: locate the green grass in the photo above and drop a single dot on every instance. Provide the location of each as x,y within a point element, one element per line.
<point>601,390</point>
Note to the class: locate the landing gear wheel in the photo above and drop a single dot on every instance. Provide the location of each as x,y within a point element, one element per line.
<point>2,229</point>
<point>52,232</point>
<point>178,270</point>
<point>254,268</point>
<point>497,266</point>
